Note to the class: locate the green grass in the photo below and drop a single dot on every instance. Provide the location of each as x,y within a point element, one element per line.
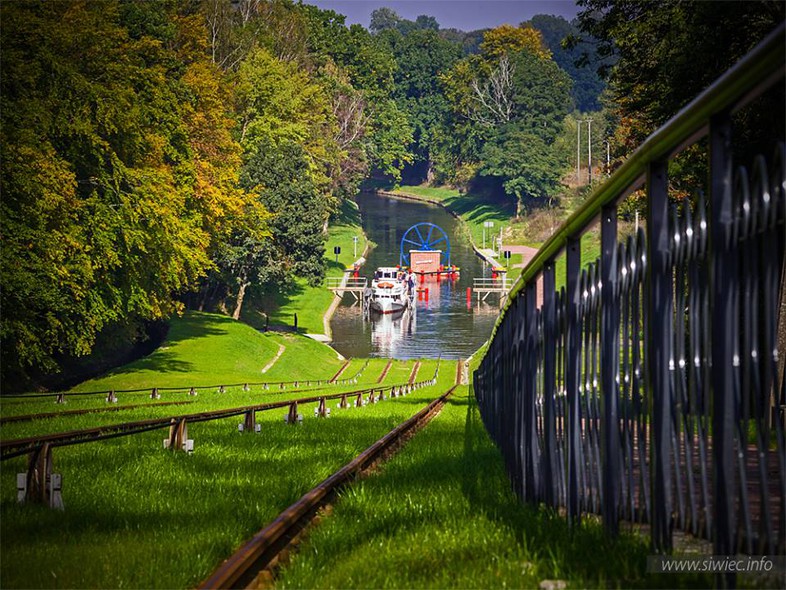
<point>138,516</point>
<point>441,515</point>
<point>206,400</point>
<point>208,349</point>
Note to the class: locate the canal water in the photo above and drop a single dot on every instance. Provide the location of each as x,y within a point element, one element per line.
<point>443,324</point>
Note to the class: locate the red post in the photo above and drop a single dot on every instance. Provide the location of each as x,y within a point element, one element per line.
<point>469,294</point>
<point>426,293</point>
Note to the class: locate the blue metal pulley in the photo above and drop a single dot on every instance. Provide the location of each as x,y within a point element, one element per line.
<point>423,236</point>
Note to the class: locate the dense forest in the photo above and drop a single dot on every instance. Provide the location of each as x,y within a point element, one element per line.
<point>158,155</point>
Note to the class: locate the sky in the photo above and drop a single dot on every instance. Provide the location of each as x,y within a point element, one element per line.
<point>465,15</point>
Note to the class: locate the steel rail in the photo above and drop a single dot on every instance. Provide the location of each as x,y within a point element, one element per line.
<point>733,90</point>
<point>331,381</point>
<point>47,415</point>
<point>239,570</point>
<point>18,447</point>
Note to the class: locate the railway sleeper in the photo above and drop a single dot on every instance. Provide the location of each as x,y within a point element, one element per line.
<point>38,485</point>
<point>178,437</point>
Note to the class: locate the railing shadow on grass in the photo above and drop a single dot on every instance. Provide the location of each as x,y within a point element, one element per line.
<point>633,392</point>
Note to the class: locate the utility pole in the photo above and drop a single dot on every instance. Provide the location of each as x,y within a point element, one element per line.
<point>589,151</point>
<point>578,150</point>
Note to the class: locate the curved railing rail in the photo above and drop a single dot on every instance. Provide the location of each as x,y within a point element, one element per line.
<point>650,388</point>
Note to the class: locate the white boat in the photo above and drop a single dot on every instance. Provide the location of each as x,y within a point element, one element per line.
<point>389,291</point>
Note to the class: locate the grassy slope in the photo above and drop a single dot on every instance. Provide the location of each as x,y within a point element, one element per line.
<point>441,515</point>
<point>140,517</point>
<point>211,349</point>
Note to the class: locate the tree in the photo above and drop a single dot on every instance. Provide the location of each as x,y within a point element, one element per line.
<point>118,172</point>
<point>508,106</point>
<point>577,55</point>
<point>668,52</point>
<point>507,39</point>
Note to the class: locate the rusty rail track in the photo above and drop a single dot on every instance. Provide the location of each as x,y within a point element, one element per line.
<point>240,570</point>
<point>47,415</point>
<point>266,385</point>
<point>18,447</point>
<point>384,373</point>
<point>413,375</point>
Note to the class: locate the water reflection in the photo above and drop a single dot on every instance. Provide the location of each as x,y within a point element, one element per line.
<point>444,322</point>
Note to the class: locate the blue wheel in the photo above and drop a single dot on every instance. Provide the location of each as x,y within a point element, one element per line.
<point>423,236</point>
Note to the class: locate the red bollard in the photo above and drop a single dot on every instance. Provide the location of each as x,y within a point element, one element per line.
<point>469,294</point>
<point>422,276</point>
<point>426,293</point>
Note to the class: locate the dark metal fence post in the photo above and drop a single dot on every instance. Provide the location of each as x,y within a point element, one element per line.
<point>572,376</point>
<point>531,480</point>
<point>723,303</point>
<point>549,384</point>
<point>659,349</point>
<point>609,367</point>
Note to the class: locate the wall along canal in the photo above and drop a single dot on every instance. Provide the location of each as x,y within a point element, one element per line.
<point>442,325</point>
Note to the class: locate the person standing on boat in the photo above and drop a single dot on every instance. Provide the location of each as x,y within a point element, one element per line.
<point>410,283</point>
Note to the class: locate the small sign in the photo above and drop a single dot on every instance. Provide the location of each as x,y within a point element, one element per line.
<point>488,224</point>
<point>336,249</point>
<point>506,253</point>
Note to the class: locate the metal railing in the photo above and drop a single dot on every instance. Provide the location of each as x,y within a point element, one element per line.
<point>346,282</point>
<point>650,388</point>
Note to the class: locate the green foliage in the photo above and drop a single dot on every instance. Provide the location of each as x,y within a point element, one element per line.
<point>508,109</point>
<point>576,55</point>
<point>668,52</point>
<point>105,175</point>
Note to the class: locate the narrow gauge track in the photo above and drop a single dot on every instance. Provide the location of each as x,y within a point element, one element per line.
<point>23,446</point>
<point>243,567</point>
<point>266,385</point>
<point>47,415</point>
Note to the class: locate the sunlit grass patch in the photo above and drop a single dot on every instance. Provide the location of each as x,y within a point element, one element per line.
<point>206,349</point>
